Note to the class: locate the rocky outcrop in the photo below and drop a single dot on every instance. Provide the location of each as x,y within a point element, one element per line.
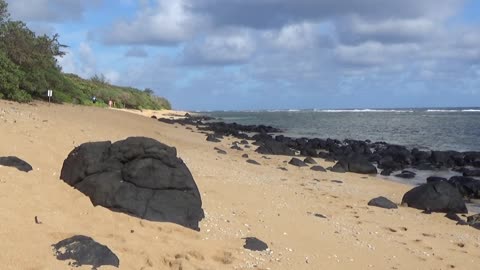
<point>437,196</point>
<point>138,176</point>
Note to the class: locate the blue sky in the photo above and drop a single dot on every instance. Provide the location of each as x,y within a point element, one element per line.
<point>273,54</point>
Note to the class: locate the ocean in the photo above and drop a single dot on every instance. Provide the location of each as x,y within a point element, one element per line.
<point>426,129</point>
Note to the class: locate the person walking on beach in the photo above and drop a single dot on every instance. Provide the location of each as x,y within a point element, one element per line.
<point>110,102</point>
<point>94,99</point>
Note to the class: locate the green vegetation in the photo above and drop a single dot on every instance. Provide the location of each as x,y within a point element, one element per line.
<point>29,67</point>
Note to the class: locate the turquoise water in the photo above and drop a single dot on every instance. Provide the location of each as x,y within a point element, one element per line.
<point>434,129</point>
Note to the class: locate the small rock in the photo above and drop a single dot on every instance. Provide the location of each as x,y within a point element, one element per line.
<point>255,244</point>
<point>297,162</point>
<point>309,160</point>
<point>84,250</point>
<point>318,168</point>
<point>382,202</point>
<point>15,162</point>
<point>251,161</point>
<point>245,156</point>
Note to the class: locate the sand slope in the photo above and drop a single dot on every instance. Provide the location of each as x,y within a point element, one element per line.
<point>240,200</point>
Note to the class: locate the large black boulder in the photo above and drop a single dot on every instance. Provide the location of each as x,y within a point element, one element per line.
<point>467,186</point>
<point>138,176</point>
<point>83,250</point>
<point>271,147</point>
<point>355,164</point>
<point>15,162</point>
<point>438,196</point>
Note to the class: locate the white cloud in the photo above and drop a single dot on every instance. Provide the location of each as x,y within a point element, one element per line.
<point>169,22</point>
<point>228,47</point>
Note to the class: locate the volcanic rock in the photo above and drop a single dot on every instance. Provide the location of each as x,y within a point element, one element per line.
<point>15,162</point>
<point>436,196</point>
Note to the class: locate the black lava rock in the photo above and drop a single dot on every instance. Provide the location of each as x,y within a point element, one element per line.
<point>251,161</point>
<point>212,138</point>
<point>255,244</point>
<point>15,162</point>
<point>271,147</point>
<point>297,162</point>
<point>318,168</point>
<point>309,160</point>
<point>406,174</point>
<point>382,202</point>
<point>436,197</point>
<point>138,176</point>
<point>435,178</point>
<point>83,250</point>
<point>467,186</point>
<point>474,221</point>
<point>245,156</point>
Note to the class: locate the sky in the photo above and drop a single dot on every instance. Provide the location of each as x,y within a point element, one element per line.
<point>272,54</point>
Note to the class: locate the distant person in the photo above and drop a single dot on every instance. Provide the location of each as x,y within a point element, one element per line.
<point>94,99</point>
<point>110,102</point>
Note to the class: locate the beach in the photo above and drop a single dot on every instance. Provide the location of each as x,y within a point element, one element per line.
<point>310,220</point>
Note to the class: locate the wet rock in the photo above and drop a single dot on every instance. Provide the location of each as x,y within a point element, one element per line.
<point>297,162</point>
<point>467,186</point>
<point>244,142</point>
<point>255,244</point>
<point>382,202</point>
<point>137,176</point>
<point>386,172</point>
<point>84,250</point>
<point>406,174</point>
<point>471,173</point>
<point>435,178</point>
<point>355,164</point>
<point>318,168</point>
<point>474,221</point>
<point>436,197</point>
<point>15,162</point>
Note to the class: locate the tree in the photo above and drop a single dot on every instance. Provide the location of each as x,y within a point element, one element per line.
<point>148,91</point>
<point>3,11</point>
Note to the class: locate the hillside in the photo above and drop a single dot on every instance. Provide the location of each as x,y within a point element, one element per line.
<point>29,67</point>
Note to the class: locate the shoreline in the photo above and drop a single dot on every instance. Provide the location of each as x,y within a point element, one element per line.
<point>282,208</point>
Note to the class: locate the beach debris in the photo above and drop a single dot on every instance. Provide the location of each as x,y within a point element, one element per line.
<point>382,202</point>
<point>337,181</point>
<point>297,162</point>
<point>435,197</point>
<point>15,162</point>
<point>309,160</point>
<point>138,176</point>
<point>254,162</point>
<point>406,174</point>
<point>37,221</point>
<point>318,168</point>
<point>83,250</point>
<point>282,168</point>
<point>212,138</point>
<point>255,244</point>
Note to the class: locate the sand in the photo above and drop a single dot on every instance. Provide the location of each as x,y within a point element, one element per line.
<point>239,199</point>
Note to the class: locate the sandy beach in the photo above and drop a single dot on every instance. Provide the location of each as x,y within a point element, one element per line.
<point>282,208</point>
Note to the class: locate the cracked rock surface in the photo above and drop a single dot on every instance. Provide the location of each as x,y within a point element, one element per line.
<point>138,176</point>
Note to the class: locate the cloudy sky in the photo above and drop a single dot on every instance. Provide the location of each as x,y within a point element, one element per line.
<point>273,54</point>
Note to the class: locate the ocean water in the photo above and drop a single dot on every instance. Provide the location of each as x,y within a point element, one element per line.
<point>428,129</point>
